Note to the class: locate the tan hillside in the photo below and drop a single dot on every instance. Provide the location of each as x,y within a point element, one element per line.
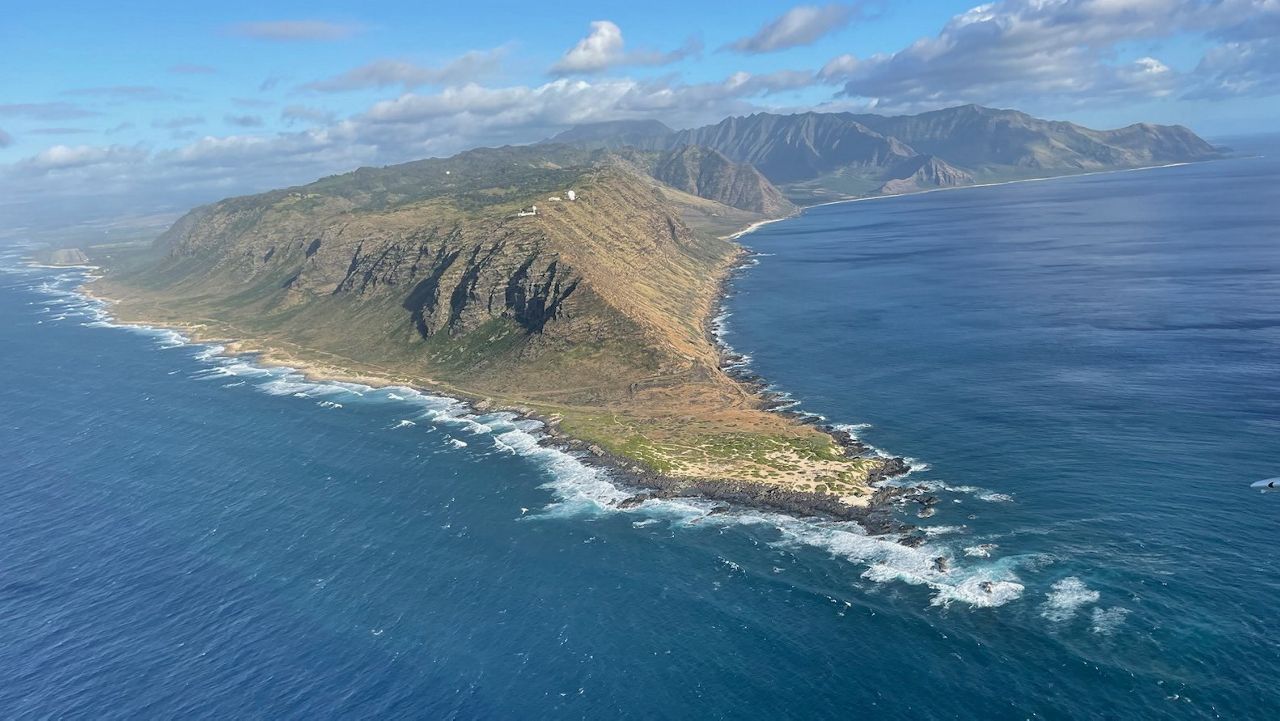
<point>593,312</point>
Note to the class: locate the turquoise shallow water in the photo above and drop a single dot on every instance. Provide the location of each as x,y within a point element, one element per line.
<point>1086,369</point>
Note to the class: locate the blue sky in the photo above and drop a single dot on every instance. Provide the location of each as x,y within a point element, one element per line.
<point>186,102</point>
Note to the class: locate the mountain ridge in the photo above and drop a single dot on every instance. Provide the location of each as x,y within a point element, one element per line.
<point>815,156</point>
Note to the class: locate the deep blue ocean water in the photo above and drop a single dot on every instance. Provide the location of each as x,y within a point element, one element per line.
<point>1087,370</point>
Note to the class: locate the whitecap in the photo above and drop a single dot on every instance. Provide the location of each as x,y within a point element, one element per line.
<point>1066,597</point>
<point>982,550</point>
<point>982,586</point>
<point>1107,620</point>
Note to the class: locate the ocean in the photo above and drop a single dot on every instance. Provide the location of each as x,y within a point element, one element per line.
<point>1086,372</point>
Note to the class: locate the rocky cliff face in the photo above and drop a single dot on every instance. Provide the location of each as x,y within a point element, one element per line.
<point>455,280</point>
<point>709,174</point>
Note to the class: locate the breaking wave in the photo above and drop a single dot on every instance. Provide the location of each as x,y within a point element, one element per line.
<point>1065,599</point>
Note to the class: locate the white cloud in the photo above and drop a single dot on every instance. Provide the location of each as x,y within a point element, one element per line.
<point>1002,53</point>
<point>385,72</point>
<point>604,48</point>
<point>406,128</point>
<point>1024,51</point>
<point>801,25</point>
<point>65,157</point>
<point>839,67</point>
<point>1238,68</point>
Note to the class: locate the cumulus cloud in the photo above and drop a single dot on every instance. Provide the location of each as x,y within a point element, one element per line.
<point>999,53</point>
<point>412,126</point>
<point>604,48</point>
<point>295,30</point>
<point>801,25</point>
<point>388,72</point>
<point>1017,51</point>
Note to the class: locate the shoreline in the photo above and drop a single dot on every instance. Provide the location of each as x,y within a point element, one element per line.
<point>642,484</point>
<point>875,514</point>
<point>858,199</point>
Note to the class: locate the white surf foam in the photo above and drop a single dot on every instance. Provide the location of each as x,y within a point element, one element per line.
<point>979,586</point>
<point>982,550</point>
<point>1107,620</point>
<point>1065,599</point>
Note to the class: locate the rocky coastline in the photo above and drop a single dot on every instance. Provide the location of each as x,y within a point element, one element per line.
<point>881,514</point>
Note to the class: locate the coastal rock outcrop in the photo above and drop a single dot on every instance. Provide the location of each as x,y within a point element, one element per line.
<point>924,172</point>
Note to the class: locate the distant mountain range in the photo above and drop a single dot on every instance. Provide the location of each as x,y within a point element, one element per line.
<point>816,155</point>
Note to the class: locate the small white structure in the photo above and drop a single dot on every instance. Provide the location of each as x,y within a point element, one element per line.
<point>571,195</point>
<point>533,210</point>
<point>554,198</point>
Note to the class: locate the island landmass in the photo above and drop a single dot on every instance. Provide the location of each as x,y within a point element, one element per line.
<point>576,280</point>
